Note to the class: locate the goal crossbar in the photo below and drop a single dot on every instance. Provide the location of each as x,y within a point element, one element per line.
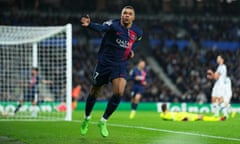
<point>22,36</point>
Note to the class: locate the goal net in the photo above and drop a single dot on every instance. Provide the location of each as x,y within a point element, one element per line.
<point>35,72</point>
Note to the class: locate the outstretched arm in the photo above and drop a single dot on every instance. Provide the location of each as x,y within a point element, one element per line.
<point>46,81</point>
<point>86,22</point>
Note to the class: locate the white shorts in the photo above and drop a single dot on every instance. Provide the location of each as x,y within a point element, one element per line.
<point>218,91</point>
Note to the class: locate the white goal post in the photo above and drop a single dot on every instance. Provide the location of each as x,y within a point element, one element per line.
<point>47,49</point>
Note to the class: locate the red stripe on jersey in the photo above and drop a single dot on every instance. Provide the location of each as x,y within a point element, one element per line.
<point>132,39</point>
<point>144,74</point>
<point>33,81</point>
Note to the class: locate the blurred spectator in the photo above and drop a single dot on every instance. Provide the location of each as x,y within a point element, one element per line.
<point>76,91</point>
<point>185,64</point>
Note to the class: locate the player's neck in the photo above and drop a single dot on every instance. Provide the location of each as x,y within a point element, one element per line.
<point>129,25</point>
<point>34,75</point>
<point>140,68</point>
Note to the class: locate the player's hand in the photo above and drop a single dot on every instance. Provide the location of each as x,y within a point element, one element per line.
<point>85,21</point>
<point>131,54</point>
<point>144,83</point>
<point>209,74</point>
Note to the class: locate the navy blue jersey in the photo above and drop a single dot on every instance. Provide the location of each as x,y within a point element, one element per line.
<point>117,42</point>
<point>33,85</point>
<point>142,74</point>
<point>138,85</point>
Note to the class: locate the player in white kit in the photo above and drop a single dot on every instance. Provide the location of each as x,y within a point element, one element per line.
<point>218,90</point>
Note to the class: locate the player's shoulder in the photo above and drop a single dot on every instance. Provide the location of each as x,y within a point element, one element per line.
<point>136,68</point>
<point>133,70</point>
<point>137,29</point>
<point>109,22</point>
<point>114,21</point>
<point>223,65</point>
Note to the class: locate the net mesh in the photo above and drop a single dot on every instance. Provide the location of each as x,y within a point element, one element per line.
<point>21,49</point>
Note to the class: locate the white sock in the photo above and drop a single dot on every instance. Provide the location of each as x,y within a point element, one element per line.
<point>134,111</point>
<point>215,109</point>
<point>229,108</point>
<point>226,109</point>
<point>87,117</point>
<point>103,119</point>
<point>34,111</point>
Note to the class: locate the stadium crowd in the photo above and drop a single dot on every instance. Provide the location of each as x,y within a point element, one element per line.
<point>84,60</point>
<point>218,7</point>
<point>185,65</point>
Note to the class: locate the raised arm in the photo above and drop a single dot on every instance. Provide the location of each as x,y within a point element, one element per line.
<point>86,22</point>
<point>47,82</point>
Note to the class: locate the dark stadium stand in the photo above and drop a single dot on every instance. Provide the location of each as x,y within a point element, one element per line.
<point>185,45</point>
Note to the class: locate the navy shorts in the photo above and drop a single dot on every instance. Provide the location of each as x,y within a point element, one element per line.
<point>137,89</point>
<point>104,74</point>
<point>29,95</point>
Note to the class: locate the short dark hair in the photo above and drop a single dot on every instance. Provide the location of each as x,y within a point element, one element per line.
<point>220,55</point>
<point>35,68</point>
<point>128,7</point>
<point>164,107</point>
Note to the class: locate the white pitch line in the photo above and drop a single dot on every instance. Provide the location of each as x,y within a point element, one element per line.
<point>150,129</point>
<point>170,131</point>
<point>176,132</point>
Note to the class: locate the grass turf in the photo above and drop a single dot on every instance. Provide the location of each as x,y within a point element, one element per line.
<point>146,128</point>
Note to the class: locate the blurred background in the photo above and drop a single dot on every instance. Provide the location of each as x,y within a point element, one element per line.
<point>182,37</point>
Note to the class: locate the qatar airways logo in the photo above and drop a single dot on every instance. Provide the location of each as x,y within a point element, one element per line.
<point>122,43</point>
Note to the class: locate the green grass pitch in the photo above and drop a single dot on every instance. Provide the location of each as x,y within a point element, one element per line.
<point>146,128</point>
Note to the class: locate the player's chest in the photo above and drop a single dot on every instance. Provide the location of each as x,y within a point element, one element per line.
<point>141,73</point>
<point>124,33</point>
